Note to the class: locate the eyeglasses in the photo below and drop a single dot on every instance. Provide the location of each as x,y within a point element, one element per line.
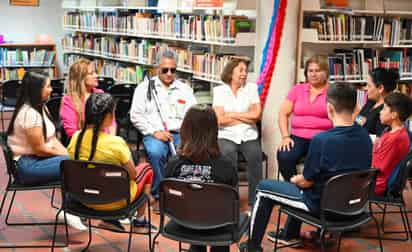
<point>166,70</point>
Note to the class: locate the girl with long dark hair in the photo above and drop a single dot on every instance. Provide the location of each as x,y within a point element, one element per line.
<point>31,133</point>
<point>94,144</point>
<point>31,137</point>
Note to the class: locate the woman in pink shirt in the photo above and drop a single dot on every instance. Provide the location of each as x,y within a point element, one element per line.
<point>82,82</point>
<point>306,105</point>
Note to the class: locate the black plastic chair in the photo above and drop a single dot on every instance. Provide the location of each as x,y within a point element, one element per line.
<point>347,213</point>
<point>14,185</point>
<point>123,95</point>
<point>394,197</point>
<point>53,106</point>
<point>58,87</point>
<point>105,83</point>
<point>200,214</point>
<point>86,182</point>
<point>10,91</point>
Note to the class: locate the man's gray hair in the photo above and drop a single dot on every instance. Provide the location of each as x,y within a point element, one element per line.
<point>169,54</point>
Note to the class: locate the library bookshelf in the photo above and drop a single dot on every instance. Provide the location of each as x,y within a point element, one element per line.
<point>16,58</point>
<point>125,39</point>
<point>357,38</point>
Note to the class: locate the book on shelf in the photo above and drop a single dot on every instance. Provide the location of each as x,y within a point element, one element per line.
<point>16,57</point>
<point>195,27</point>
<point>342,27</point>
<point>18,73</point>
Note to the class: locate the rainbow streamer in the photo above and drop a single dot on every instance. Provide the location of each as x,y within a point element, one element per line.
<point>271,49</point>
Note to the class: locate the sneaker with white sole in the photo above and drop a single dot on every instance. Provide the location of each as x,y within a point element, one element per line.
<point>125,221</point>
<point>73,220</point>
<point>282,239</point>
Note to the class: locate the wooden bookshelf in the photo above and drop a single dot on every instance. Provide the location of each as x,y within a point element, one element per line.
<point>363,35</point>
<point>83,34</point>
<point>32,56</point>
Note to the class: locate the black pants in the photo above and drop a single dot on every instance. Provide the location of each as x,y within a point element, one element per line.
<point>287,160</point>
<point>199,248</point>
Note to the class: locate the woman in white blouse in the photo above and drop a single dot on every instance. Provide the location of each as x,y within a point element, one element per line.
<point>237,106</point>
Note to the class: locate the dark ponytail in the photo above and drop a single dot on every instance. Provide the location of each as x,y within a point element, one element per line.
<point>97,107</point>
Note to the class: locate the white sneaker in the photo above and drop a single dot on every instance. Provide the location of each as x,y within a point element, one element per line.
<point>73,220</point>
<point>125,221</point>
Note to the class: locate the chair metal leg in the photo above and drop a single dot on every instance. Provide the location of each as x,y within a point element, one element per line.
<point>55,229</point>
<point>149,218</point>
<point>52,199</point>
<point>9,210</point>
<point>339,241</point>
<point>130,235</point>
<point>379,233</point>
<point>90,235</point>
<point>6,192</point>
<point>180,246</point>
<point>322,239</point>
<point>383,219</point>
<point>277,231</point>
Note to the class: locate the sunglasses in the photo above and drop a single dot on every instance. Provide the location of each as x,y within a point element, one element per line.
<point>166,70</point>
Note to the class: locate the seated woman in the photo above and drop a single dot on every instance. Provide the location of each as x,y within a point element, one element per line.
<point>237,106</point>
<point>93,143</point>
<point>381,82</point>
<point>199,158</point>
<point>31,137</point>
<point>81,83</point>
<point>306,104</point>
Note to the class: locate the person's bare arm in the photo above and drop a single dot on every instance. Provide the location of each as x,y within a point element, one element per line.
<point>250,117</point>
<point>223,119</point>
<point>285,111</point>
<point>39,146</point>
<point>301,182</point>
<point>131,168</point>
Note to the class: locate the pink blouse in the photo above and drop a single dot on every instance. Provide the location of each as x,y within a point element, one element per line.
<point>309,118</point>
<point>68,114</point>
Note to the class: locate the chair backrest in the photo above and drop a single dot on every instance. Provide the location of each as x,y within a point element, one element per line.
<point>53,105</point>
<point>122,90</point>
<point>199,205</point>
<point>105,83</point>
<point>8,156</point>
<point>58,87</point>
<point>10,91</point>
<point>94,182</point>
<point>348,193</point>
<point>397,180</point>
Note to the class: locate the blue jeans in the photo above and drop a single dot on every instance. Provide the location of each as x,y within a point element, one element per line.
<point>158,152</point>
<point>269,193</point>
<point>287,160</point>
<point>35,170</point>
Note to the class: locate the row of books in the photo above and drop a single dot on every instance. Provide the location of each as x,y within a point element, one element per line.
<point>355,64</point>
<point>198,61</point>
<point>22,57</point>
<point>18,73</point>
<point>122,73</point>
<point>192,27</point>
<point>397,31</point>
<point>345,27</point>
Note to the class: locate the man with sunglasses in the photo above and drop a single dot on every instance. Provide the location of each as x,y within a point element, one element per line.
<point>175,98</point>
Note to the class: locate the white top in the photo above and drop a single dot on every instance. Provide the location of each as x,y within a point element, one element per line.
<point>28,118</point>
<point>246,96</point>
<point>174,100</point>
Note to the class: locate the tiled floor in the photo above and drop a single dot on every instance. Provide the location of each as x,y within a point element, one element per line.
<point>35,206</point>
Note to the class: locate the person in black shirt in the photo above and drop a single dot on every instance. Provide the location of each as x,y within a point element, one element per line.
<point>199,157</point>
<point>381,82</point>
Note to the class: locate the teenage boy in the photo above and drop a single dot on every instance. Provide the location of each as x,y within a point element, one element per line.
<point>346,147</point>
<point>393,145</point>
